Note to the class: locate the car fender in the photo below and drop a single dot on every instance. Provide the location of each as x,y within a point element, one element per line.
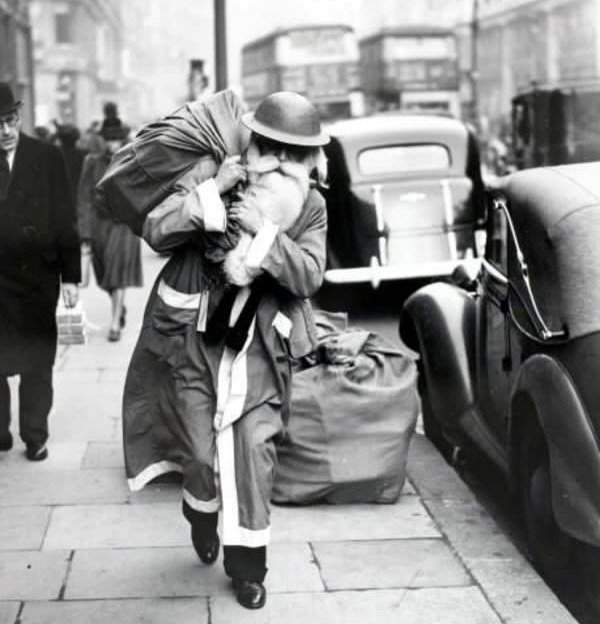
<point>545,384</point>
<point>438,321</point>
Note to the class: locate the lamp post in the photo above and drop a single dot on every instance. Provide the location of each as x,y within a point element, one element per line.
<point>220,9</point>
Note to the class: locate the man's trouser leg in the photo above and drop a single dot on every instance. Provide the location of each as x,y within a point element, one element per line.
<point>245,563</point>
<point>4,407</point>
<point>35,402</point>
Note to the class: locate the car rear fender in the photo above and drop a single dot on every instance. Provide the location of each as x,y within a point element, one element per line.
<point>438,321</point>
<point>545,390</point>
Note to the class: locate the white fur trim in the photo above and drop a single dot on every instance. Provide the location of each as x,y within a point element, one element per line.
<point>176,299</point>
<point>234,265</point>
<point>233,533</point>
<point>282,324</point>
<point>151,472</point>
<point>261,244</point>
<point>213,215</point>
<point>211,506</point>
<point>238,304</point>
<point>231,397</point>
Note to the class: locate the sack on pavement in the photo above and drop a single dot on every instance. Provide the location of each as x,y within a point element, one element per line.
<point>353,413</point>
<point>143,173</point>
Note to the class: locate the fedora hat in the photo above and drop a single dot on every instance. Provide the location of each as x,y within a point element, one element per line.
<point>8,104</point>
<point>287,117</point>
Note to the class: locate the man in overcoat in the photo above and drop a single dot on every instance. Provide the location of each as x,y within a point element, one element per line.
<point>39,255</point>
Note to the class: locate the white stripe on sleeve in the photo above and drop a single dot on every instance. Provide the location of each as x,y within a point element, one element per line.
<point>213,208</point>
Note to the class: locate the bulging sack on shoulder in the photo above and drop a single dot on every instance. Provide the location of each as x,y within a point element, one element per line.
<point>142,173</point>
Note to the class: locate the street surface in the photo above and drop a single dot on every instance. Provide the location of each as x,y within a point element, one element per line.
<point>77,546</point>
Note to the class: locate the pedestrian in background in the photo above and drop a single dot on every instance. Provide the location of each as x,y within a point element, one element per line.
<point>68,136</point>
<point>116,253</point>
<point>39,253</point>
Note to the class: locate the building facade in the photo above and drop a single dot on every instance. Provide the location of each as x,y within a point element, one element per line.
<point>16,65</point>
<point>523,44</point>
<point>78,56</point>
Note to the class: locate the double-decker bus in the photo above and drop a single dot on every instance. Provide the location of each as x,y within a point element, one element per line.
<point>319,62</point>
<point>412,68</point>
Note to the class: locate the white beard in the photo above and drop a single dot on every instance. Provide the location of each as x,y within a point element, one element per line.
<point>279,191</point>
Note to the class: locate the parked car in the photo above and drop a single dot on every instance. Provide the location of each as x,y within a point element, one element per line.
<point>511,360</point>
<point>404,198</point>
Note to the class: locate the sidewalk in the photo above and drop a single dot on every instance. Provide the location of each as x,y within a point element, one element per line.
<point>77,546</point>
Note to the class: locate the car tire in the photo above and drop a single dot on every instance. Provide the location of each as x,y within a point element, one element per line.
<point>550,547</point>
<point>569,565</point>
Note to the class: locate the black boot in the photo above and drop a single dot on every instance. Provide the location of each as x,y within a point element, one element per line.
<point>250,594</point>
<point>205,538</point>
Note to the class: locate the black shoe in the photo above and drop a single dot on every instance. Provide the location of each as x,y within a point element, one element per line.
<point>206,549</point>
<point>250,594</point>
<point>6,441</point>
<point>33,452</point>
<point>114,335</point>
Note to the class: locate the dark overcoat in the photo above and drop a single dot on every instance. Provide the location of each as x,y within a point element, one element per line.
<point>39,248</point>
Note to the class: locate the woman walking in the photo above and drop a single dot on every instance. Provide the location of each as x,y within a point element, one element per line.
<point>115,250</point>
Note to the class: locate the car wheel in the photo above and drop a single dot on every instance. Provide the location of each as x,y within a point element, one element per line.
<point>550,546</point>
<point>569,565</point>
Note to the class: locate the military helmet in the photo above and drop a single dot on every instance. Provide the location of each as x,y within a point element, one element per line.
<point>287,117</point>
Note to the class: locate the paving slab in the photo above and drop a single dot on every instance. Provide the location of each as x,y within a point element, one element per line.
<point>86,411</point>
<point>65,378</point>
<point>62,487</point>
<point>161,523</point>
<point>471,530</point>
<point>461,605</point>
<point>23,528</point>
<point>62,456</point>
<point>518,593</point>
<point>431,475</point>
<point>405,519</point>
<point>292,568</point>
<point>109,375</point>
<point>117,526</point>
<point>142,573</point>
<point>32,575</point>
<point>386,564</point>
<point>172,572</point>
<point>9,612</point>
<point>103,455</point>
<point>143,611</point>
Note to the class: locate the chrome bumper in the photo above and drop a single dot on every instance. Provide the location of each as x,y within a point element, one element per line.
<point>376,274</point>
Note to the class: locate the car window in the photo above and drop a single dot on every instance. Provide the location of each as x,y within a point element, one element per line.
<point>403,158</point>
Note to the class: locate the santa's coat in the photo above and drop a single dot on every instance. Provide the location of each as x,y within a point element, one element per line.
<point>202,409</point>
